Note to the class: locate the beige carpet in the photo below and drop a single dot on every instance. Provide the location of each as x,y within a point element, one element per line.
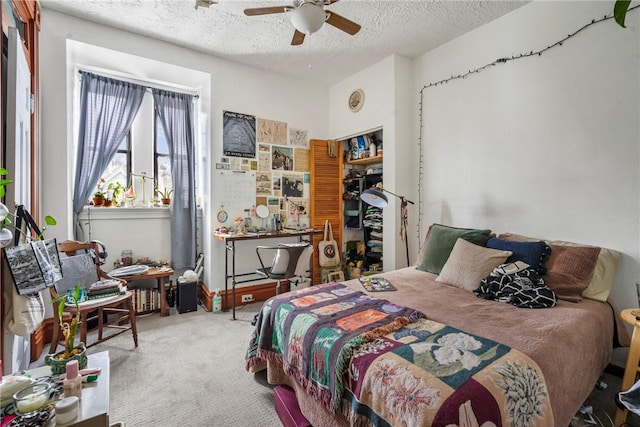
<point>188,370</point>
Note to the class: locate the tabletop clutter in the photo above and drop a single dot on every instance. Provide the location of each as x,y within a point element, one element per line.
<point>259,219</point>
<point>43,401</point>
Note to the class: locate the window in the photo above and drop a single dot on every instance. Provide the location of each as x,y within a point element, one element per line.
<point>145,149</point>
<point>119,169</point>
<point>162,163</point>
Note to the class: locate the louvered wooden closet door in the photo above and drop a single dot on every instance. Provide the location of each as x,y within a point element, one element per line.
<point>326,196</point>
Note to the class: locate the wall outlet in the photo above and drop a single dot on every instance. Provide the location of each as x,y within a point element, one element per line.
<point>247,298</point>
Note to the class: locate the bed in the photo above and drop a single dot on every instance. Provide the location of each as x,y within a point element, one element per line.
<point>566,347</point>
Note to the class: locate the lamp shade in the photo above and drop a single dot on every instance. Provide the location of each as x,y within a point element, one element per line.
<point>374,197</point>
<point>308,18</point>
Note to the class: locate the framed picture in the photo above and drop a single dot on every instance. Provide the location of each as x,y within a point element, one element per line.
<point>238,135</point>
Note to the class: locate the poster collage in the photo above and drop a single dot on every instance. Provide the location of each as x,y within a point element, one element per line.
<point>279,156</point>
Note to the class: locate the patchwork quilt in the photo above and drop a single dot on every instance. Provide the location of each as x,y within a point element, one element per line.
<point>382,364</point>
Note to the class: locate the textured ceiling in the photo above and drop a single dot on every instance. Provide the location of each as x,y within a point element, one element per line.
<point>409,28</point>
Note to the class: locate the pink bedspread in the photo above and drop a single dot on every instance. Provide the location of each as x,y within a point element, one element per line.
<point>571,343</point>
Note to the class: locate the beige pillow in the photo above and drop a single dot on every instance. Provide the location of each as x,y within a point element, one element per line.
<point>602,282</point>
<point>468,264</point>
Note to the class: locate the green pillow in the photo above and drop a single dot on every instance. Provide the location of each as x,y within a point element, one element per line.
<point>441,242</point>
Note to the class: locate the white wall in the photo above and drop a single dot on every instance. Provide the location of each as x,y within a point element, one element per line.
<point>387,104</point>
<point>232,87</point>
<point>546,146</point>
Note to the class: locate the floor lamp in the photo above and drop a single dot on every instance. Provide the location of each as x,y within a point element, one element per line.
<point>376,197</point>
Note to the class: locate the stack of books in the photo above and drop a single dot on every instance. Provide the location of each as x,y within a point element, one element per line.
<point>105,288</point>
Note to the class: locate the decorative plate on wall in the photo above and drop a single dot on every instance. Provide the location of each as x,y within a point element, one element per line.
<point>356,100</point>
<point>222,216</point>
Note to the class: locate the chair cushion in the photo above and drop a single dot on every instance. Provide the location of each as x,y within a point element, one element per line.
<point>77,269</point>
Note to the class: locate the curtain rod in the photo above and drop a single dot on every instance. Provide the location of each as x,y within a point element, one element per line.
<point>139,82</point>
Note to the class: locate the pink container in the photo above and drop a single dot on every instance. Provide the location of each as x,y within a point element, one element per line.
<point>287,408</point>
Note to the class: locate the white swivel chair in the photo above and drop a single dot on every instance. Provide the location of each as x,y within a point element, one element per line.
<point>290,260</point>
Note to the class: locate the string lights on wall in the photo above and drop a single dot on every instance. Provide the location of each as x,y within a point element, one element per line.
<point>503,60</point>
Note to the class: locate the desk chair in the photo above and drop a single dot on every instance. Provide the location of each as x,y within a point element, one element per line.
<point>290,260</point>
<point>82,265</point>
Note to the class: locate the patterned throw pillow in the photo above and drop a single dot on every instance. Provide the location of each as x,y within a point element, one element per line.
<point>533,253</point>
<point>441,242</point>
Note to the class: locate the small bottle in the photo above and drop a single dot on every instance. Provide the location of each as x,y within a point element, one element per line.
<point>72,384</point>
<point>216,302</point>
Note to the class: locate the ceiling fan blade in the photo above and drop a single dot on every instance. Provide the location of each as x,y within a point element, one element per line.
<point>342,23</point>
<point>298,38</point>
<point>266,10</point>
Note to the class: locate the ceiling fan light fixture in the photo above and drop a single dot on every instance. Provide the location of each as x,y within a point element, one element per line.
<point>308,18</point>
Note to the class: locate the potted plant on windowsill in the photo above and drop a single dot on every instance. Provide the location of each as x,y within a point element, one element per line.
<point>114,191</point>
<point>58,361</point>
<point>165,195</point>
<point>98,196</point>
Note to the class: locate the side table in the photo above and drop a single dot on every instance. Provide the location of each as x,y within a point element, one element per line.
<point>633,359</point>
<point>94,405</point>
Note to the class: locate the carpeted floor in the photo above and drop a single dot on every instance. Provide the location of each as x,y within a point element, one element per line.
<point>189,370</point>
<point>603,403</point>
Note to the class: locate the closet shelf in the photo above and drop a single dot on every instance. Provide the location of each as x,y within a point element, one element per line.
<point>365,161</point>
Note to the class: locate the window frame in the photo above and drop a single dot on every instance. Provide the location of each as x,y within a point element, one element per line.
<point>157,128</point>
<point>128,156</point>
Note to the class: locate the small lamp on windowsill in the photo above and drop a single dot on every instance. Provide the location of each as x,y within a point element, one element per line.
<point>376,197</point>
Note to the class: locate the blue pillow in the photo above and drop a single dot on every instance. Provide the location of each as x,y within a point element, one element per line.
<point>533,253</point>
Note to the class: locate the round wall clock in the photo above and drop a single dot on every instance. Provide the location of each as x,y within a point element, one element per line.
<point>356,100</point>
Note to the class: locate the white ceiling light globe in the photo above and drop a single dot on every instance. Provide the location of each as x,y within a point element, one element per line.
<point>3,212</point>
<point>308,18</point>
<point>6,236</point>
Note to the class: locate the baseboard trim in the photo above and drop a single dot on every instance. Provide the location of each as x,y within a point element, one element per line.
<point>205,296</point>
<point>261,292</point>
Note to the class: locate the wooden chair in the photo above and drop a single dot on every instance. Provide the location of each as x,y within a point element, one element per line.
<point>121,305</point>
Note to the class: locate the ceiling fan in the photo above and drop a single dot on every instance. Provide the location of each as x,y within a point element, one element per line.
<point>204,3</point>
<point>307,16</point>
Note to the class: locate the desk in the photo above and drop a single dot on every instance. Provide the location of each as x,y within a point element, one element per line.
<point>230,247</point>
<point>94,405</point>
<point>160,274</point>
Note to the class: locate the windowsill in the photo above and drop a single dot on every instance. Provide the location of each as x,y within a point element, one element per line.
<point>125,213</point>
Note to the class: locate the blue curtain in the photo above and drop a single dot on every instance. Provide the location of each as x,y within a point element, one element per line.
<point>107,110</point>
<point>176,113</point>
